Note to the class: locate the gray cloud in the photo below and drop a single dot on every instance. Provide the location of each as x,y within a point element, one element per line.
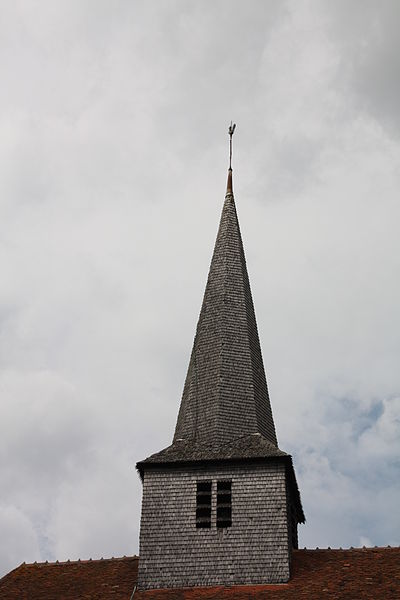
<point>370,64</point>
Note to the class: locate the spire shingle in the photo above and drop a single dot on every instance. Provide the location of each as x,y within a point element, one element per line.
<point>225,394</point>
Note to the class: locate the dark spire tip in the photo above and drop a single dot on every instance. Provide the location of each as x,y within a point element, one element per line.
<point>229,185</point>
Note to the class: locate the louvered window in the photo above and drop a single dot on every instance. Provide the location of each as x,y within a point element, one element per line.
<point>203,507</point>
<point>224,503</point>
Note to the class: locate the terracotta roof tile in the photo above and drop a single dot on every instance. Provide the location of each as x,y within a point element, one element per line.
<point>112,578</point>
<point>355,574</point>
<point>361,574</point>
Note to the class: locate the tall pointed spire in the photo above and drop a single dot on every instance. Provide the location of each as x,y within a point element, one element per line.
<point>225,394</point>
<point>221,503</point>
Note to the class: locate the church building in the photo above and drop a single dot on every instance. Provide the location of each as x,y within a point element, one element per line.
<point>221,505</point>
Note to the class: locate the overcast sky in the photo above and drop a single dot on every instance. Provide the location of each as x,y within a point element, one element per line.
<point>113,160</point>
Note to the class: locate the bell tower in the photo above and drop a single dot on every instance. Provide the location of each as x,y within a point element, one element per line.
<point>221,504</point>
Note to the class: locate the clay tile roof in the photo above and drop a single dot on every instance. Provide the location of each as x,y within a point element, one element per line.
<point>105,579</point>
<point>355,574</point>
<point>361,574</point>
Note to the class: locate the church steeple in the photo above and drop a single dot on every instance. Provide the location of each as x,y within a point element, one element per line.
<point>225,394</point>
<point>221,504</point>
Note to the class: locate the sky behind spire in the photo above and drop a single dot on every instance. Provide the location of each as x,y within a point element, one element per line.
<point>114,151</point>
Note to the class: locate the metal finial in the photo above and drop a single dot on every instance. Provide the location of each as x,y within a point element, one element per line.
<point>231,131</point>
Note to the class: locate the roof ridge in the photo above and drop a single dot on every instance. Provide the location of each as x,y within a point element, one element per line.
<point>137,557</point>
<point>78,561</point>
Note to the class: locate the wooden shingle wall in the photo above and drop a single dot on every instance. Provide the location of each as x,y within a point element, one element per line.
<point>174,553</point>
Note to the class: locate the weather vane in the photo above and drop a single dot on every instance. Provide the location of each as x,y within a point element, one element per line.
<point>231,131</point>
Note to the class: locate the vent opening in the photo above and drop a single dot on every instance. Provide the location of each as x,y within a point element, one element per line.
<point>203,508</point>
<point>224,503</point>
